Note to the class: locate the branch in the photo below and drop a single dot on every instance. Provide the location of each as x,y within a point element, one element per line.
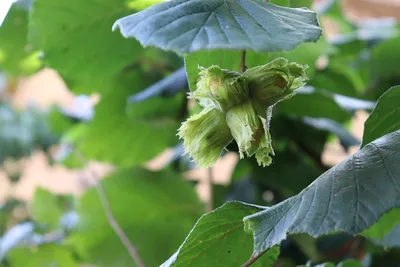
<point>242,64</point>
<point>253,259</point>
<point>210,183</point>
<point>109,214</point>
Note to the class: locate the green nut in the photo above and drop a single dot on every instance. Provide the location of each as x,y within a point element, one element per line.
<point>238,106</point>
<point>250,132</point>
<point>275,81</point>
<point>205,135</point>
<point>219,88</point>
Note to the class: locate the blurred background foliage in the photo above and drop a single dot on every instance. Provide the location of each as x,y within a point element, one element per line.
<point>118,122</point>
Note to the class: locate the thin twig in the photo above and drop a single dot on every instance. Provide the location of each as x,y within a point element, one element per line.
<point>242,64</point>
<point>253,259</point>
<point>210,184</point>
<point>110,216</point>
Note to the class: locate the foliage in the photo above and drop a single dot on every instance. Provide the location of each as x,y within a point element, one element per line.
<point>302,212</point>
<point>23,131</point>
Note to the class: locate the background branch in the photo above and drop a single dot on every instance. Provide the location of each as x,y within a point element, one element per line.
<point>210,184</point>
<point>94,177</point>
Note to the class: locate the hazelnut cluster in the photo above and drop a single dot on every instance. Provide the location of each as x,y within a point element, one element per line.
<point>238,106</point>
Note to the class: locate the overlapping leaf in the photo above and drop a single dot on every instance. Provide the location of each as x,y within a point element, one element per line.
<point>387,230</point>
<point>366,186</point>
<point>218,239</point>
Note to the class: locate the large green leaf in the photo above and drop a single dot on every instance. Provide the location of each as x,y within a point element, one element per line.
<point>186,26</point>
<point>218,239</point>
<point>128,140</point>
<point>155,209</point>
<point>16,56</point>
<point>350,197</point>
<point>385,118</point>
<point>77,40</point>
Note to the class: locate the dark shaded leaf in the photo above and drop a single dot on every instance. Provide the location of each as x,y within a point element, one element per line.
<point>385,58</point>
<point>342,80</point>
<point>310,102</point>
<point>186,26</point>
<point>346,139</point>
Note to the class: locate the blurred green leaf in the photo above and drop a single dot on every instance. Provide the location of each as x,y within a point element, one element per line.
<point>365,185</point>
<point>43,256</point>
<point>46,208</point>
<point>128,139</point>
<point>218,239</point>
<point>385,117</point>
<point>155,209</point>
<point>339,79</point>
<point>58,122</point>
<point>187,26</point>
<point>314,104</point>
<point>77,40</point>
<point>16,55</point>
<point>385,58</point>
